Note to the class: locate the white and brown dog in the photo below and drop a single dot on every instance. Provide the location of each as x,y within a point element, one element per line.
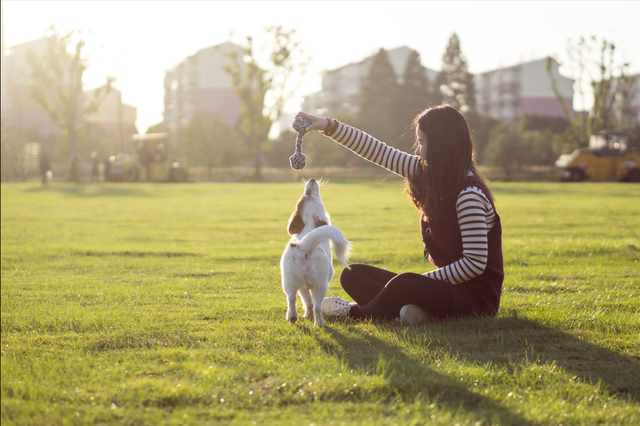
<point>306,263</point>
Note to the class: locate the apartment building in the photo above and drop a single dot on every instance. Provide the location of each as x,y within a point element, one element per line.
<point>117,119</point>
<point>509,92</point>
<point>200,83</point>
<point>626,104</point>
<point>341,87</point>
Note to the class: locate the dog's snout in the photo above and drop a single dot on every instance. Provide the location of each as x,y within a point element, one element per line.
<point>311,185</point>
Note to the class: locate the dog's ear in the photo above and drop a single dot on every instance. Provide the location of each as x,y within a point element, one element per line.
<point>296,224</point>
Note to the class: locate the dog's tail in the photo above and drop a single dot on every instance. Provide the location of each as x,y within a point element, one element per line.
<point>341,245</point>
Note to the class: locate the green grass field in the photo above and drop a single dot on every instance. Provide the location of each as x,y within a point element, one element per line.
<point>161,304</point>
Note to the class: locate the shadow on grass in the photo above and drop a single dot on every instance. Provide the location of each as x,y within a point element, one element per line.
<point>87,190</point>
<point>411,378</point>
<point>508,343</point>
<point>509,339</point>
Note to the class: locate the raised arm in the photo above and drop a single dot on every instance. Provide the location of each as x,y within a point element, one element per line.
<point>366,146</point>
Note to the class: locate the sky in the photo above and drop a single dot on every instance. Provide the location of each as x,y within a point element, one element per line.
<point>137,41</point>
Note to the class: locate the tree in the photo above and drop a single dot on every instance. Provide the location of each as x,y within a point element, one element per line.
<point>593,66</point>
<point>541,123</point>
<point>545,146</point>
<point>634,137</point>
<point>379,100</point>
<point>12,144</point>
<point>97,139</point>
<point>545,137</point>
<point>210,142</point>
<point>441,81</point>
<point>625,89</point>
<point>414,96</point>
<point>481,127</point>
<point>457,86</point>
<point>507,149</point>
<point>57,88</point>
<point>264,90</point>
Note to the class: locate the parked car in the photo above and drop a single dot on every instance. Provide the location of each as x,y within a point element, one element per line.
<point>607,158</point>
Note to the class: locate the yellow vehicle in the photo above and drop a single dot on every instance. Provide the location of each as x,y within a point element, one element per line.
<point>605,159</point>
<point>151,163</point>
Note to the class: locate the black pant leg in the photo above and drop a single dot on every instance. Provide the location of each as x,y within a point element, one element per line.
<point>435,297</point>
<point>364,282</point>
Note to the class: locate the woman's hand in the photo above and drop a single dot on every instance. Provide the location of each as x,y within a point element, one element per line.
<point>317,123</point>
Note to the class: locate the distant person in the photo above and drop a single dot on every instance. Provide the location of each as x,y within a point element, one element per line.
<point>45,168</point>
<point>146,156</point>
<point>74,172</point>
<point>107,170</point>
<point>460,227</point>
<point>95,167</point>
<point>160,156</point>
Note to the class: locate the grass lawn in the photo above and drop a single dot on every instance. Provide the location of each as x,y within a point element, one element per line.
<point>161,304</point>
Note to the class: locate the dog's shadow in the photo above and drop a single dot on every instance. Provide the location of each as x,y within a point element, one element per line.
<point>503,342</point>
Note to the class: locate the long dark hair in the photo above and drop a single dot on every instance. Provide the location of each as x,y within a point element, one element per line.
<point>449,156</point>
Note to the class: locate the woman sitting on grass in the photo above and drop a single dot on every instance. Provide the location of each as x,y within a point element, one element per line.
<point>460,228</point>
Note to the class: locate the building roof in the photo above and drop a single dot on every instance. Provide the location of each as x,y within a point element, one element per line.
<point>516,65</point>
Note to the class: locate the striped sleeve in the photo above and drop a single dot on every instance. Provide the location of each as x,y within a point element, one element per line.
<point>377,152</point>
<point>476,217</point>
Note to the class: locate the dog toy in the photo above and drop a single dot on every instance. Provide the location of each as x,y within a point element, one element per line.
<point>298,160</point>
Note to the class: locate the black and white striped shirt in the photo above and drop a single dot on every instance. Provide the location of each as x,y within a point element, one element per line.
<point>476,215</point>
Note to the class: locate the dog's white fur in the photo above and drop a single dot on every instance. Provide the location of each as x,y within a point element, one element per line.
<point>306,265</point>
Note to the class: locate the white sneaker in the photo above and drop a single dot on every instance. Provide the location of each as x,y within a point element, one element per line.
<point>336,307</point>
<point>412,315</point>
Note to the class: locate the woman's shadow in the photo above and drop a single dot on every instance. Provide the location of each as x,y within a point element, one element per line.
<point>504,342</point>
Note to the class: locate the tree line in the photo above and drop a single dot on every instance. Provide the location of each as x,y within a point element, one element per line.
<point>387,104</point>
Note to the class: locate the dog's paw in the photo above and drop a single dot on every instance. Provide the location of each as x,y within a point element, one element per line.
<point>292,315</point>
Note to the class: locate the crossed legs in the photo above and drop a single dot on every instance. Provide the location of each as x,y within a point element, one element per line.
<point>380,294</point>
